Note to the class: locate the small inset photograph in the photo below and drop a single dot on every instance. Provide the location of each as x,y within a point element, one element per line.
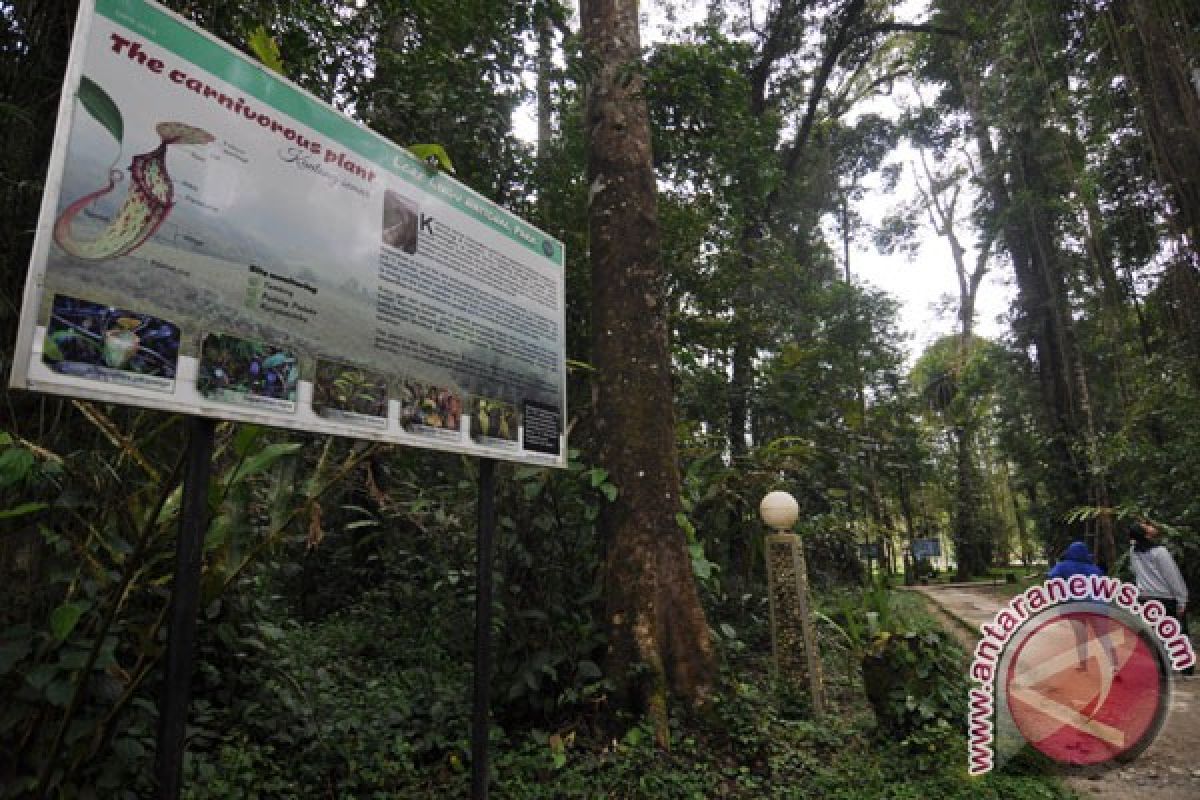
<point>425,406</point>
<point>342,389</point>
<point>493,419</point>
<point>235,370</point>
<point>400,222</point>
<point>100,342</point>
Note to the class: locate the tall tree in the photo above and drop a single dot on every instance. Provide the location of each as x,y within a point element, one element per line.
<point>1015,119</point>
<point>813,62</point>
<point>658,634</point>
<point>939,194</point>
<point>1155,43</point>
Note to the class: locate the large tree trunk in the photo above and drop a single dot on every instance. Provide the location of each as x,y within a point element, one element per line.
<point>658,635</point>
<point>966,520</point>
<point>1156,44</point>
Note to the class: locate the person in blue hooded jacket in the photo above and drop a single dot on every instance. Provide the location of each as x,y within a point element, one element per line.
<point>1077,560</point>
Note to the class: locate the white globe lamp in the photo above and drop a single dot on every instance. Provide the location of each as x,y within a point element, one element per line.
<point>779,511</point>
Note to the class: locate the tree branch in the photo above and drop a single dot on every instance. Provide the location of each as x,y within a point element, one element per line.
<point>909,27</point>
<point>843,38</point>
<point>777,42</point>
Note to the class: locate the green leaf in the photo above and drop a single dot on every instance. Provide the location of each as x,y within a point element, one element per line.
<point>588,670</point>
<point>609,491</point>
<point>634,736</point>
<point>15,465</point>
<point>432,154</point>
<point>63,620</point>
<point>245,437</point>
<point>102,108</point>
<point>23,509</point>
<point>265,49</point>
<point>701,566</point>
<point>262,460</point>
<point>41,675</point>
<point>598,476</point>
<point>272,632</point>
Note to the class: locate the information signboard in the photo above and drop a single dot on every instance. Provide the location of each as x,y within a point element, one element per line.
<point>926,548</point>
<point>215,241</point>
<point>868,551</point>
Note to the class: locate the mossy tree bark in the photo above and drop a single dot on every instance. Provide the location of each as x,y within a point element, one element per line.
<point>659,640</point>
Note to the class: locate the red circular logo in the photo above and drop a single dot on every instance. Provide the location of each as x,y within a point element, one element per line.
<point>1084,687</point>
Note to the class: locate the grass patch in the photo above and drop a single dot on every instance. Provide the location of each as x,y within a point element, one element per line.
<point>912,612</point>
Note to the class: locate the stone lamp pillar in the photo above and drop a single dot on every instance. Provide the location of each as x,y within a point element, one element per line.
<point>794,643</point>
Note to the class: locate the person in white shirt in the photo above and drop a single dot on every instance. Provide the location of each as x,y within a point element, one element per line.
<point>1157,575</point>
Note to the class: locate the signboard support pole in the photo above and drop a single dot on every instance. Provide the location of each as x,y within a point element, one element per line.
<point>483,629</point>
<point>185,601</point>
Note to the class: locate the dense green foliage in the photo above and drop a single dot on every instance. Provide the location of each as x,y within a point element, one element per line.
<point>339,577</point>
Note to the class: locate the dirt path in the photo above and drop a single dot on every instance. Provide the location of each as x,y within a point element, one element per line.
<point>1167,770</point>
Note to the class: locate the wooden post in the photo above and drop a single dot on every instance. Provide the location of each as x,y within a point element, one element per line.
<point>185,601</point>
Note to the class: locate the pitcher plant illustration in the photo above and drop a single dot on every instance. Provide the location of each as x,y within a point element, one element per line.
<point>151,194</point>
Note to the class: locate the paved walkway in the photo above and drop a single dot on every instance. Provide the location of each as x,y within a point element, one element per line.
<point>1167,770</point>
<point>971,606</point>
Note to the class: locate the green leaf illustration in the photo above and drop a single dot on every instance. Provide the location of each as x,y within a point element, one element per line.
<point>266,49</point>
<point>102,108</point>
<point>51,350</point>
<point>431,153</point>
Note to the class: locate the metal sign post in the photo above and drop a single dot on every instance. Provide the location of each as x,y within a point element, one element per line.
<point>185,601</point>
<point>483,630</point>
